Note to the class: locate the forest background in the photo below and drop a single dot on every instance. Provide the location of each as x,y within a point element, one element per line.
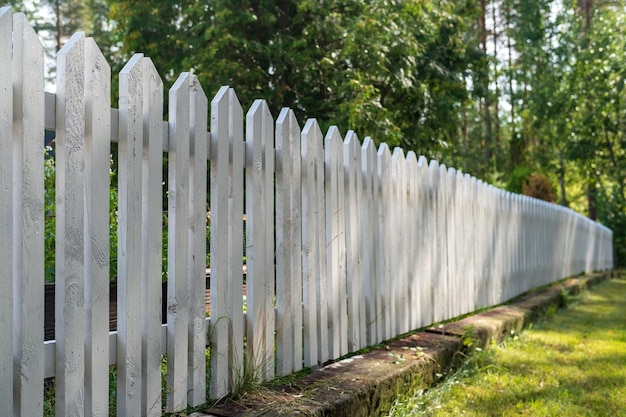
<point>525,94</point>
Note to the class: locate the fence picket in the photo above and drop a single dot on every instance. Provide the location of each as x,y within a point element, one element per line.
<point>450,242</point>
<point>226,332</point>
<point>354,242</point>
<point>260,240</point>
<point>28,220</point>
<point>196,379</point>
<point>97,140</point>
<point>335,243</point>
<point>315,331</point>
<point>398,289</point>
<point>178,223</point>
<point>6,208</point>
<point>424,244</point>
<point>70,227</point>
<point>371,236</point>
<point>385,267</point>
<point>412,219</point>
<point>129,256</point>
<point>152,217</point>
<point>288,244</point>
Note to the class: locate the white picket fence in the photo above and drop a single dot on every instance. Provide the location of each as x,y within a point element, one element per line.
<point>347,244</point>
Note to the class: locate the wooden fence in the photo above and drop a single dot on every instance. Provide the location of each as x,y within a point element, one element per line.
<point>347,244</point>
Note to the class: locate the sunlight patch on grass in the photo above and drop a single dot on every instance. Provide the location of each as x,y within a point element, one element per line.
<point>573,364</point>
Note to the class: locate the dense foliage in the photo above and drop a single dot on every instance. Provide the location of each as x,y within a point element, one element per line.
<point>527,94</point>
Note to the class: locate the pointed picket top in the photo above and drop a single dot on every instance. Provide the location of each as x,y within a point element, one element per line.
<point>220,134</point>
<point>372,256</point>
<point>260,239</point>
<point>129,240</point>
<point>70,209</point>
<point>178,231</point>
<point>28,205</point>
<point>335,243</point>
<point>227,155</point>
<point>354,241</point>
<point>413,230</point>
<point>385,268</point>
<point>6,207</point>
<point>196,279</point>
<point>314,274</point>
<point>288,244</point>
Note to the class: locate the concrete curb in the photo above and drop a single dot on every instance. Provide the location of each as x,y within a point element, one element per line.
<point>368,384</point>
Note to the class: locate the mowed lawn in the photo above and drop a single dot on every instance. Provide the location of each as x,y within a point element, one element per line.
<point>573,363</point>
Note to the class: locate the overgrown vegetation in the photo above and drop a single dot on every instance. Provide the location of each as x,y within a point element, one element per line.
<point>569,365</point>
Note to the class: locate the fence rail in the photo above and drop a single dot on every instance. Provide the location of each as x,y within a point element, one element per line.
<point>347,244</point>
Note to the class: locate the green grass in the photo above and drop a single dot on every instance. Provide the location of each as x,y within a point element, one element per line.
<point>571,364</point>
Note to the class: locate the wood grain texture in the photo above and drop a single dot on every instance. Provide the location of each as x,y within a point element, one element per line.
<point>371,242</point>
<point>218,330</point>
<point>28,218</point>
<point>70,227</point>
<point>151,236</point>
<point>129,256</point>
<point>178,250</point>
<point>335,244</point>
<point>288,245</point>
<point>313,247</point>
<point>385,268</point>
<point>196,379</point>
<point>353,184</point>
<point>260,241</point>
<point>7,242</point>
<point>97,184</point>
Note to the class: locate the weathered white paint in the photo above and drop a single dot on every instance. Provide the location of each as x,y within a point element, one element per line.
<point>178,222</point>
<point>70,227</point>
<point>196,379</point>
<point>335,244</point>
<point>129,257</point>
<point>424,245</point>
<point>151,235</point>
<point>6,208</point>
<point>371,239</point>
<point>353,186</point>
<point>97,146</point>
<point>218,330</point>
<point>227,156</point>
<point>260,240</point>
<point>385,215</point>
<point>315,331</point>
<point>289,351</point>
<point>235,246</point>
<point>412,239</point>
<point>398,261</point>
<point>28,218</point>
